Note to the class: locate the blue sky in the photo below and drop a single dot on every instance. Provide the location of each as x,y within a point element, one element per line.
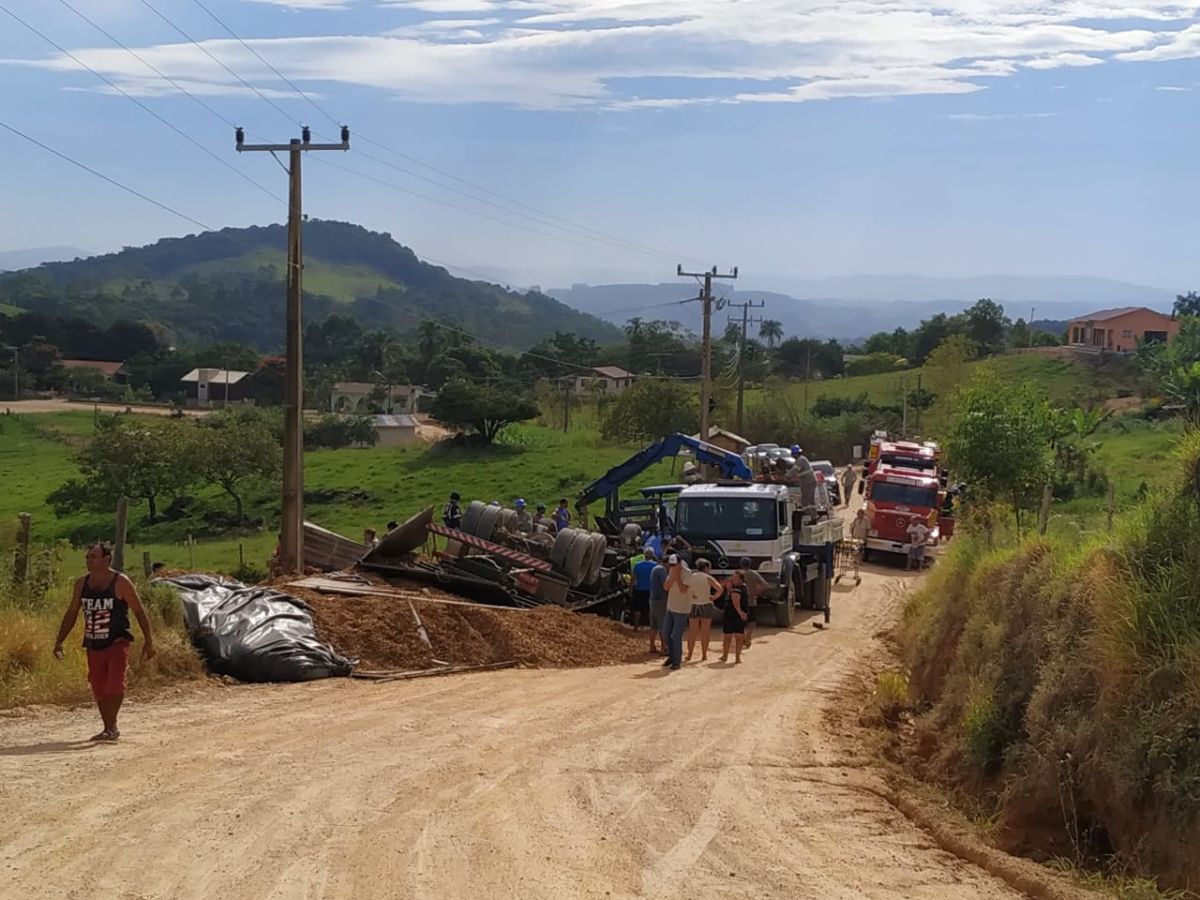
<point>789,137</point>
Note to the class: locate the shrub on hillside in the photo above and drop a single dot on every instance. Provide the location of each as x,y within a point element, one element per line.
<point>1062,685</point>
<point>650,409</point>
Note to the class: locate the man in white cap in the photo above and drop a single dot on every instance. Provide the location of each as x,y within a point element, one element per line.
<point>679,607</point>
<point>524,519</point>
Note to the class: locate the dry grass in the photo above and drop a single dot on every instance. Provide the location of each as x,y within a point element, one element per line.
<point>1060,684</point>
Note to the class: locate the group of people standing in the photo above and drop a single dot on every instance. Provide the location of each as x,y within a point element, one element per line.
<point>552,523</point>
<point>682,603</point>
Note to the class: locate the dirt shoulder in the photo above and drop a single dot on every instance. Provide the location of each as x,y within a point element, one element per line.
<point>621,781</point>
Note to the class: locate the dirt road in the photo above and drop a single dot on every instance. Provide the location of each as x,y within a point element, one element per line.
<point>621,782</point>
<point>60,405</point>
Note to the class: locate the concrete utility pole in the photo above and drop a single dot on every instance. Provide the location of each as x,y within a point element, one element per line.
<point>293,411</point>
<point>747,320</point>
<point>706,301</point>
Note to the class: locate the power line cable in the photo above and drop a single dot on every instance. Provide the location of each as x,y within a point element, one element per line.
<point>130,97</point>
<point>308,99</point>
<point>101,175</point>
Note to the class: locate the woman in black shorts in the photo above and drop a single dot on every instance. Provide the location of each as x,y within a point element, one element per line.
<point>736,612</point>
<point>704,589</point>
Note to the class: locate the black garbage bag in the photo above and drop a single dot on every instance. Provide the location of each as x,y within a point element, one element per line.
<point>254,633</point>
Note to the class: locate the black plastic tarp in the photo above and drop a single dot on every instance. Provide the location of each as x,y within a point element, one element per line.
<point>254,633</point>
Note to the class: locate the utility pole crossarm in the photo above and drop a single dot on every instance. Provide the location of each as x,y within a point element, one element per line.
<point>706,299</point>
<point>292,524</point>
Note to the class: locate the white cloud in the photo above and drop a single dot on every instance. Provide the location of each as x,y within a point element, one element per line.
<point>997,117</point>
<point>1173,88</point>
<point>640,54</point>
<point>298,5</point>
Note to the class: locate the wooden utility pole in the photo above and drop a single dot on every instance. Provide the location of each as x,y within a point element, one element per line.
<point>706,302</point>
<point>292,525</point>
<point>747,320</point>
<point>118,555</point>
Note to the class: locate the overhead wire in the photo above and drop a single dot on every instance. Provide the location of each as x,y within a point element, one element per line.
<point>187,137</point>
<point>101,175</point>
<point>607,238</point>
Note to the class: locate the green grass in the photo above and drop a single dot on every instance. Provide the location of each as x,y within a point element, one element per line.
<point>1065,380</point>
<point>341,282</point>
<point>539,464</point>
<point>7,309</point>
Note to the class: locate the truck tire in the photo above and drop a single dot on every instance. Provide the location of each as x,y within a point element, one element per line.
<point>631,535</point>
<point>562,543</point>
<point>471,517</point>
<point>785,609</point>
<point>486,523</point>
<point>599,549</point>
<point>507,520</point>
<point>579,557</point>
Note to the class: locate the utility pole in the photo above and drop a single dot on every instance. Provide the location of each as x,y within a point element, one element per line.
<point>1032,310</point>
<point>292,525</point>
<point>706,301</point>
<point>16,371</point>
<point>917,402</point>
<point>747,319</point>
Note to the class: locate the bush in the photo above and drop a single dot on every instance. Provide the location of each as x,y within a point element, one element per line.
<point>650,409</point>
<point>333,432</point>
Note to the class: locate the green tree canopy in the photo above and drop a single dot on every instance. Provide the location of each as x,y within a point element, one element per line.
<point>651,408</point>
<point>484,408</point>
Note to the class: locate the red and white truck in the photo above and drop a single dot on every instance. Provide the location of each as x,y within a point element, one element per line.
<point>895,498</point>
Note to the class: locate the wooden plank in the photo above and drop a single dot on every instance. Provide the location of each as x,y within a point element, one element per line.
<point>327,586</point>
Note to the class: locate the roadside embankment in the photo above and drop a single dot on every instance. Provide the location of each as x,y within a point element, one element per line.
<point>1059,685</point>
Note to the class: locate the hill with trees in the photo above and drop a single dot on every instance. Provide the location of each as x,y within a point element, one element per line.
<point>228,285</point>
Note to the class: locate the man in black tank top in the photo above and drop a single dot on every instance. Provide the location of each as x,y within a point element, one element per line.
<point>106,597</point>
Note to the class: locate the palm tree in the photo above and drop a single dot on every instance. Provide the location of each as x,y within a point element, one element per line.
<point>770,331</point>
<point>375,349</point>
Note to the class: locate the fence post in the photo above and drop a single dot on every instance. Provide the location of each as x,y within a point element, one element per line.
<point>21,560</point>
<point>191,552</point>
<point>146,567</point>
<point>241,555</point>
<point>119,544</point>
<point>1044,514</point>
<point>1112,504</point>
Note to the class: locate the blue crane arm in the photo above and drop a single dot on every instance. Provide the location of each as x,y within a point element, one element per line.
<point>730,465</point>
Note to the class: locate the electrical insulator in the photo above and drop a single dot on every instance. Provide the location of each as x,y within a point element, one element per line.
<point>241,136</point>
<point>306,135</point>
<point>345,134</point>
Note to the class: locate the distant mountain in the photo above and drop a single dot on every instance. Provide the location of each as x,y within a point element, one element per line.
<point>35,256</point>
<point>229,285</point>
<point>853,307</point>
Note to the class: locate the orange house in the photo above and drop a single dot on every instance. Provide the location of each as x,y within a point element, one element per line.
<point>1121,330</point>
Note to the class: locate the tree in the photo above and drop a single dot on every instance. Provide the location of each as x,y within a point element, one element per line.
<point>946,367</point>
<point>1182,386</point>
<point>141,460</point>
<point>801,357</point>
<point>1001,441</point>
<point>875,364</point>
<point>231,451</point>
<point>770,331</point>
<point>987,326</point>
<point>269,381</point>
<point>485,409</point>
<point>931,333</point>
<point>651,408</point>
<point>1187,304</point>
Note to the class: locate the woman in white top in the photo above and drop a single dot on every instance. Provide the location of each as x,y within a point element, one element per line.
<point>704,590</point>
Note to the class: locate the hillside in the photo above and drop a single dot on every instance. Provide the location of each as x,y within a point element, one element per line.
<point>228,285</point>
<point>851,308</point>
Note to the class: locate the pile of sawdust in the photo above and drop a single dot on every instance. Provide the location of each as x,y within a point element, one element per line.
<point>382,633</point>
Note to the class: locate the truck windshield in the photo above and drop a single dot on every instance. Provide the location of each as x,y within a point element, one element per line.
<point>924,463</point>
<point>726,518</point>
<point>903,495</point>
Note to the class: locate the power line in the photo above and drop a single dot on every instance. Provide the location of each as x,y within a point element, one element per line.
<point>142,105</point>
<point>313,103</point>
<point>101,175</point>
<point>220,63</point>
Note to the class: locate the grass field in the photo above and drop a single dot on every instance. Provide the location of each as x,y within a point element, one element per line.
<point>341,282</point>
<point>541,465</point>
<point>1065,380</point>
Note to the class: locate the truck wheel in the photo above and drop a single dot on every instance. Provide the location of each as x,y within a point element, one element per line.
<point>472,516</point>
<point>486,523</point>
<point>507,520</point>
<point>579,557</point>
<point>562,543</point>
<point>599,549</point>
<point>785,609</point>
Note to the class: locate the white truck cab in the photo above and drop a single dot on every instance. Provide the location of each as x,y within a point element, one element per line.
<point>725,522</point>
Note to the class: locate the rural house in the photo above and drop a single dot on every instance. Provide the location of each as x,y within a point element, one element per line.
<point>608,380</point>
<point>1120,330</point>
<point>206,386</point>
<point>395,431</point>
<point>112,371</point>
<point>358,396</point>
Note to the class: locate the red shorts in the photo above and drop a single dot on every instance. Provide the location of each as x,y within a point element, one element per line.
<point>106,669</point>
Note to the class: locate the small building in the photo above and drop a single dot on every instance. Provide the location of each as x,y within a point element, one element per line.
<point>204,386</point>
<point>395,431</point>
<point>360,396</point>
<point>113,371</point>
<point>1120,330</point>
<point>608,380</point>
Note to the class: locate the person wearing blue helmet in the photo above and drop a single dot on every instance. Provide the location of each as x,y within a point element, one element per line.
<point>796,451</point>
<point>524,519</point>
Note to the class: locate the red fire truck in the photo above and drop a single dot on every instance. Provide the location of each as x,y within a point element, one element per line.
<point>906,455</point>
<point>896,497</point>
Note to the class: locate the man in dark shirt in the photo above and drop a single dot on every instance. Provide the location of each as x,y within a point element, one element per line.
<point>106,598</point>
<point>452,512</point>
